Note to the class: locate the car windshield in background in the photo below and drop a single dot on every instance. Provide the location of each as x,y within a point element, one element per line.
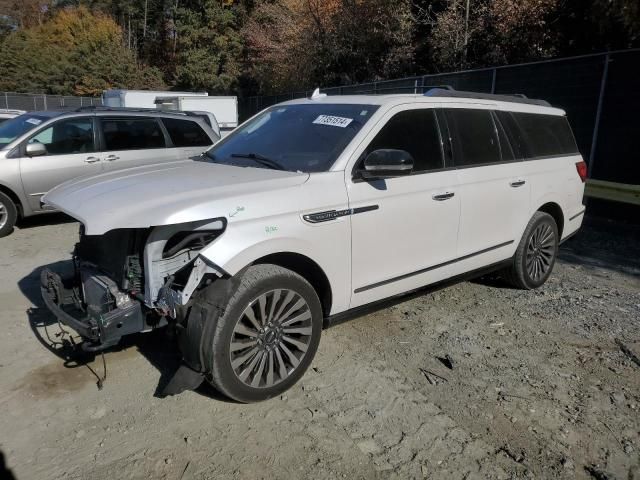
<point>12,129</point>
<point>304,137</point>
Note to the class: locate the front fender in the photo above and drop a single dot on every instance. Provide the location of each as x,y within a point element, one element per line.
<point>327,245</point>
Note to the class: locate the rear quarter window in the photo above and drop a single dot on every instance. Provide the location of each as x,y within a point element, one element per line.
<point>186,133</point>
<point>546,135</point>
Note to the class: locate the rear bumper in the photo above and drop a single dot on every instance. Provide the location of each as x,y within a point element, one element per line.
<point>572,225</point>
<point>100,326</point>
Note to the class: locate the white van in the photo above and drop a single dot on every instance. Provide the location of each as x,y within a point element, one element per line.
<point>118,98</point>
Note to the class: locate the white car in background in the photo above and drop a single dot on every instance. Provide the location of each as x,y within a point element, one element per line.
<point>309,212</point>
<point>7,114</point>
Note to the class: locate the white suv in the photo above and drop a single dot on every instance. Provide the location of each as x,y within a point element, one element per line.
<point>308,211</point>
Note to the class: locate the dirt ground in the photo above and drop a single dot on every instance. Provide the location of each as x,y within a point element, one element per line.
<point>538,388</point>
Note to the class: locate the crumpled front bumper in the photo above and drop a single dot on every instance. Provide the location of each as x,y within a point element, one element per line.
<point>100,326</point>
<point>56,296</point>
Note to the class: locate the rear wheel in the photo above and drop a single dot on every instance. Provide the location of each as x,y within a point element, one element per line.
<point>266,336</point>
<point>8,215</point>
<point>536,253</point>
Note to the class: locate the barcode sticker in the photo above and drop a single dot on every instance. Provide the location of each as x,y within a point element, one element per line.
<point>333,121</point>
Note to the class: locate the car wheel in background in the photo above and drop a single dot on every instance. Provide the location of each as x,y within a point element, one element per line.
<point>8,215</point>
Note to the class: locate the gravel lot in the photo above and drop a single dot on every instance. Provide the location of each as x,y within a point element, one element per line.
<point>538,388</point>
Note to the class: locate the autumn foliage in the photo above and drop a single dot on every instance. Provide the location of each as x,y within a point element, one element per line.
<point>76,52</point>
<point>271,46</point>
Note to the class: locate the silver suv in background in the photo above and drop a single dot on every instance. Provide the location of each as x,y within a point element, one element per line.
<point>39,150</point>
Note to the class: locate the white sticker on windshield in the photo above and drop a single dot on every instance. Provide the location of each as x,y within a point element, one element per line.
<point>33,121</point>
<point>333,121</point>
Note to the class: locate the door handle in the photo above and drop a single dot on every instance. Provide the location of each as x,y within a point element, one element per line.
<point>517,183</point>
<point>91,159</point>
<point>111,158</point>
<point>443,196</point>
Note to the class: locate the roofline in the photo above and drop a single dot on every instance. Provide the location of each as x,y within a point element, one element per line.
<point>399,99</point>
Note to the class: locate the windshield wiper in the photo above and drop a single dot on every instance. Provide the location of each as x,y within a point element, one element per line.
<point>262,160</point>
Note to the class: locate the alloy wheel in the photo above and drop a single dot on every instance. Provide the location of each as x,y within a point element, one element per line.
<point>271,338</point>
<point>4,215</point>
<point>540,251</point>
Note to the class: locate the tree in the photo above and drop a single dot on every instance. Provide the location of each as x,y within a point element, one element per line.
<point>25,13</point>
<point>497,32</point>
<point>302,43</point>
<point>74,52</point>
<point>208,46</point>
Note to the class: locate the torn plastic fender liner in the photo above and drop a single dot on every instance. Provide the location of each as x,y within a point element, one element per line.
<point>196,328</point>
<point>157,268</point>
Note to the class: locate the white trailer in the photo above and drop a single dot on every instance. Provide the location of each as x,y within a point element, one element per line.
<point>140,98</point>
<point>225,109</point>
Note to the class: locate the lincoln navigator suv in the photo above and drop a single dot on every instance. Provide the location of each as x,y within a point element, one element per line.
<point>309,212</point>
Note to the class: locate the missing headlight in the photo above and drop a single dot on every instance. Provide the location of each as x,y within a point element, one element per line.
<point>189,240</point>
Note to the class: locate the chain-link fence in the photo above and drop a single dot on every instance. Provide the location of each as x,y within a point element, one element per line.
<point>599,93</point>
<point>31,102</point>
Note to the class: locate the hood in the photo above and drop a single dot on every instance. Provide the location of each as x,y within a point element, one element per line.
<point>172,193</point>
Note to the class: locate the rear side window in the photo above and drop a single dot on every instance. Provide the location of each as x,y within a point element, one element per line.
<point>131,134</point>
<point>185,133</point>
<point>546,135</point>
<point>415,131</point>
<point>474,136</point>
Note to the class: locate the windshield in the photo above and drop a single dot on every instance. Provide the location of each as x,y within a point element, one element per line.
<point>14,128</point>
<point>303,137</point>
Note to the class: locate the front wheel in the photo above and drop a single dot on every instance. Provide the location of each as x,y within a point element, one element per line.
<point>536,253</point>
<point>265,337</point>
<point>8,215</point>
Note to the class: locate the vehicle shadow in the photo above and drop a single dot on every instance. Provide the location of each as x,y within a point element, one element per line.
<point>159,347</point>
<point>44,220</point>
<point>598,244</point>
<point>5,472</point>
<point>605,244</point>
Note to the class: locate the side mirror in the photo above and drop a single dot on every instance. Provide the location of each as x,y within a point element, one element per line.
<point>387,163</point>
<point>36,149</point>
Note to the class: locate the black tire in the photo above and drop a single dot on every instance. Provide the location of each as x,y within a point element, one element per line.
<point>536,253</point>
<point>8,215</point>
<point>229,323</point>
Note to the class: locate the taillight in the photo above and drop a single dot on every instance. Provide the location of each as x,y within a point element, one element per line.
<point>582,170</point>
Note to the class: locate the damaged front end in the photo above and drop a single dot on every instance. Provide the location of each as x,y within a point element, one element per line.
<point>130,280</point>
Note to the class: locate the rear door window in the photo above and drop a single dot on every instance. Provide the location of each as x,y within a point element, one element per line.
<point>474,136</point>
<point>506,151</point>
<point>186,133</point>
<point>131,134</point>
<point>513,133</point>
<point>66,137</point>
<point>416,132</point>
<point>546,135</point>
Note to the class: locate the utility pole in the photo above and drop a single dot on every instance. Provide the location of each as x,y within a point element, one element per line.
<point>144,25</point>
<point>466,33</point>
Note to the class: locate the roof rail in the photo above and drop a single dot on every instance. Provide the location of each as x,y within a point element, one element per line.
<point>514,98</point>
<point>441,87</point>
<point>103,108</point>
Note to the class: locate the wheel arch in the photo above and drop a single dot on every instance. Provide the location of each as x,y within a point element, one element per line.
<point>307,269</point>
<point>555,210</point>
<point>14,198</point>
